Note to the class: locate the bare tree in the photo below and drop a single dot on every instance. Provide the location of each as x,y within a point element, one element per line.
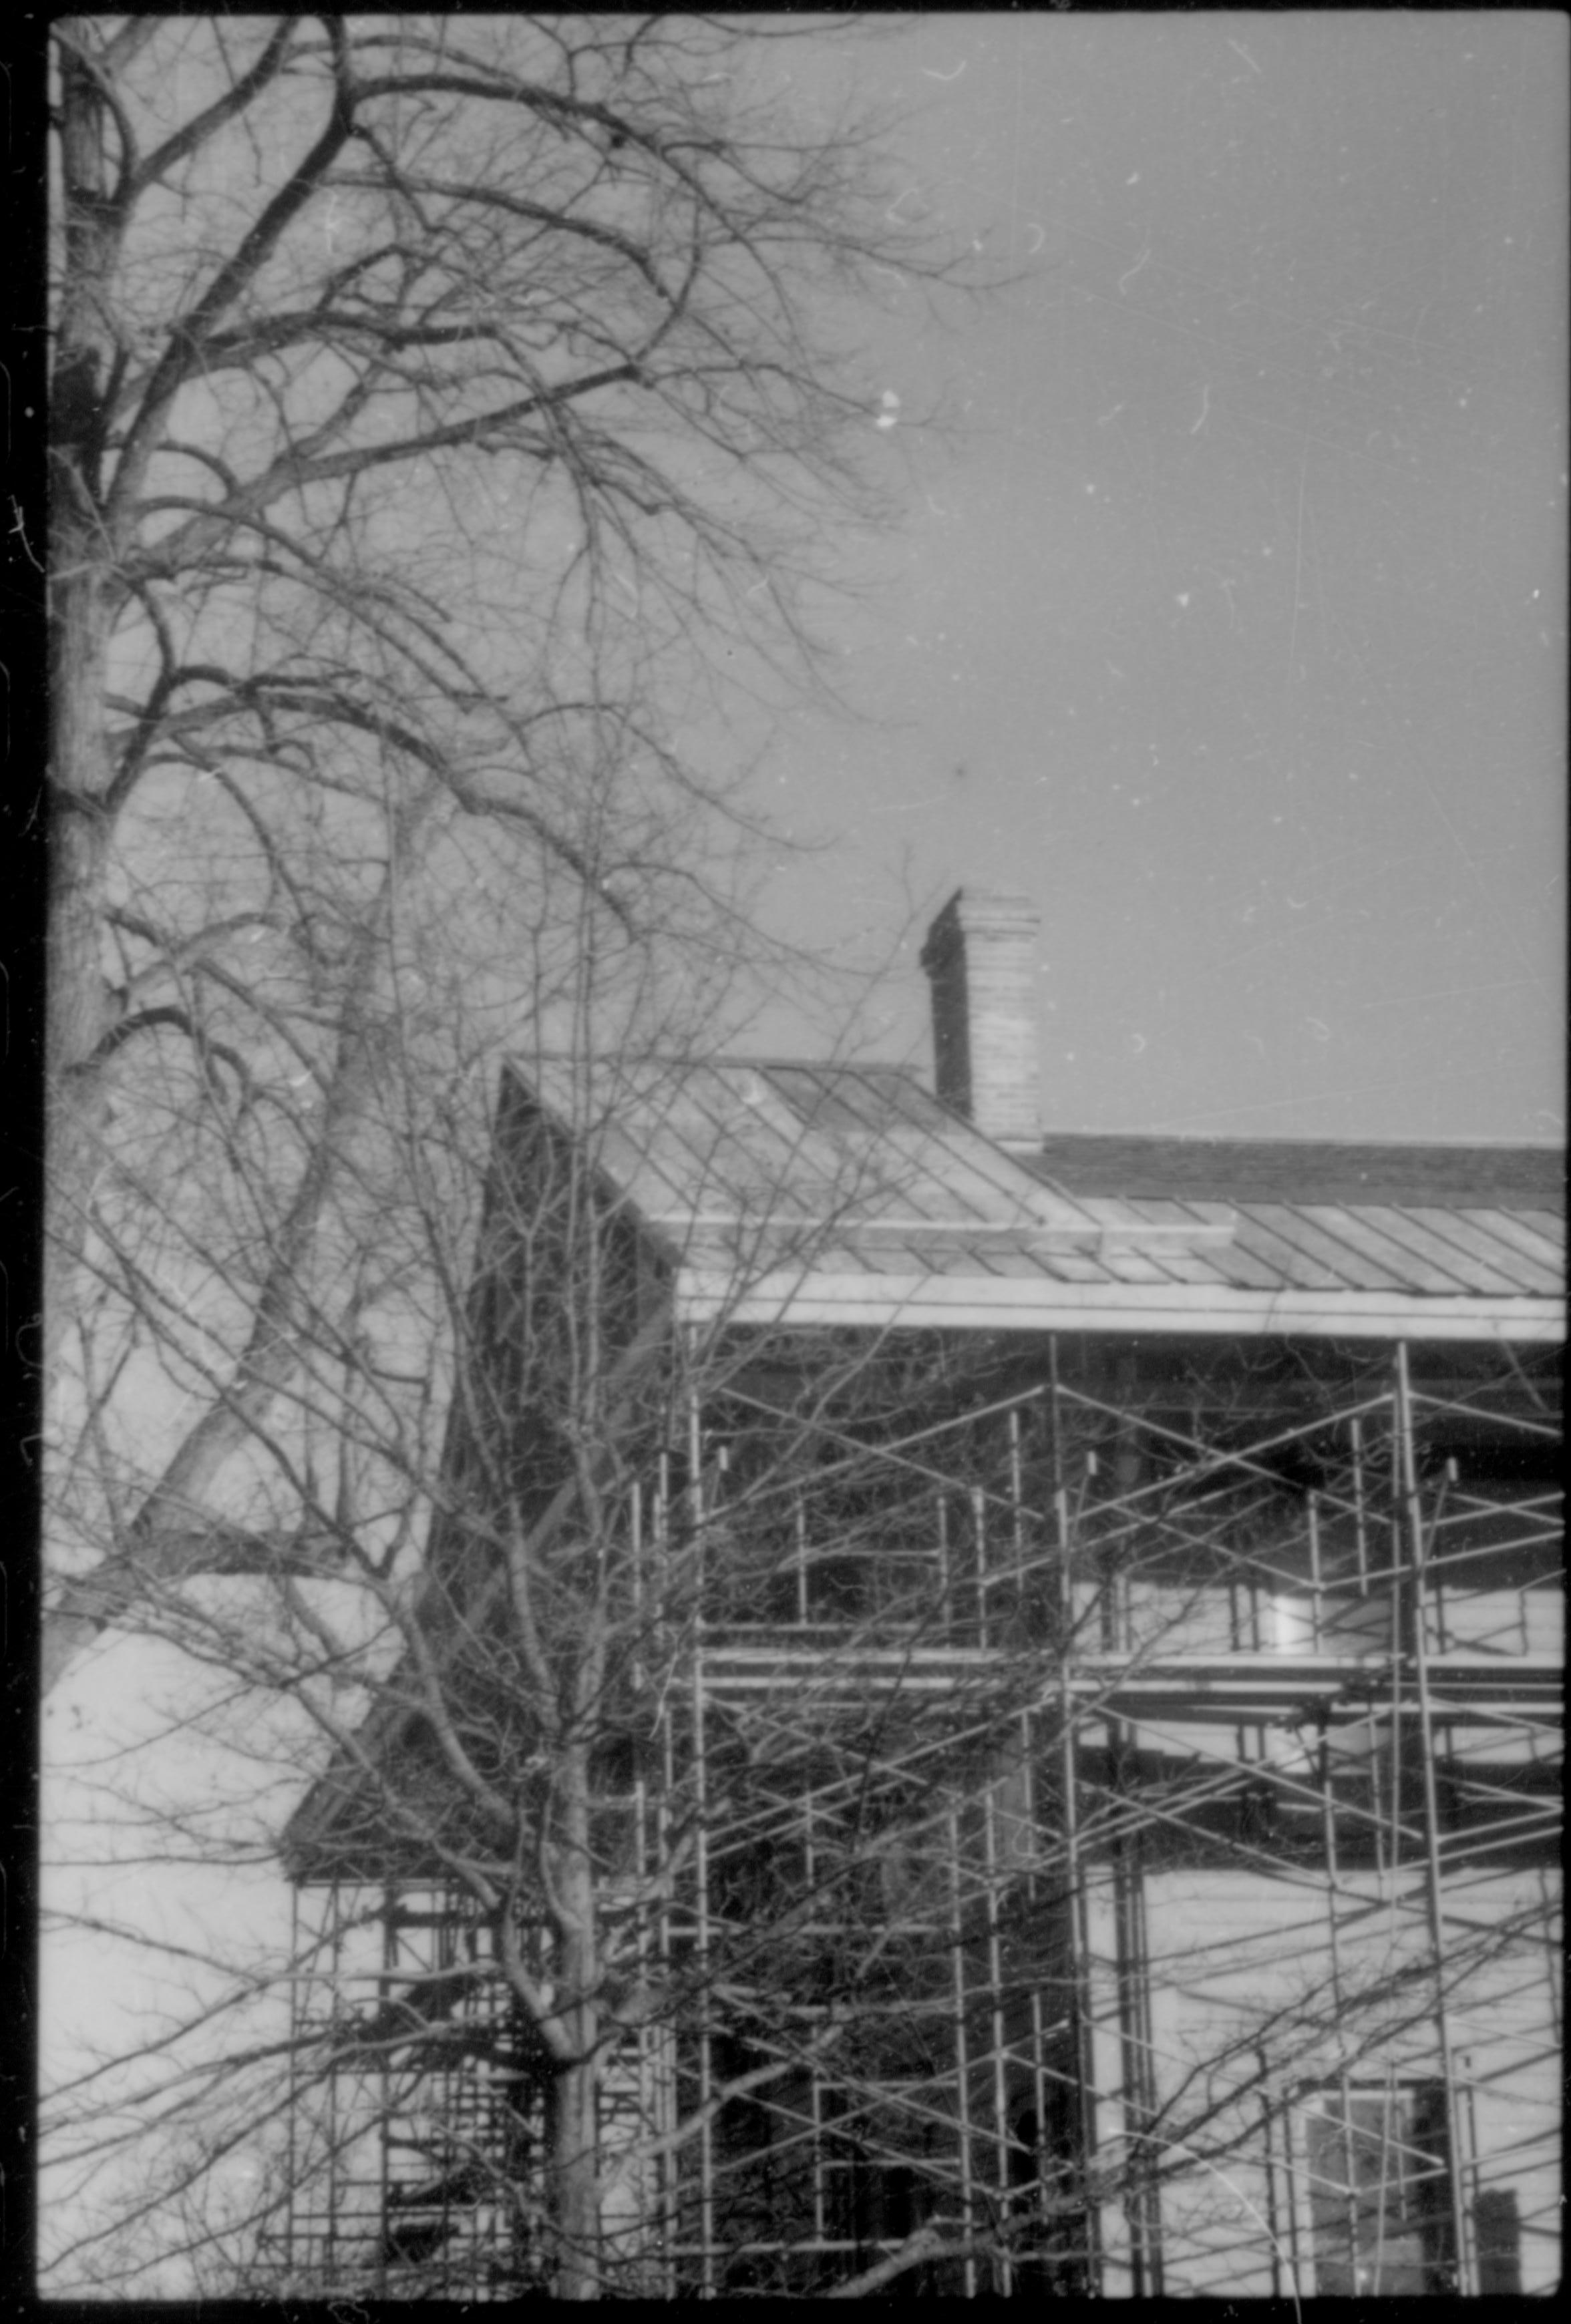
<point>446,415</point>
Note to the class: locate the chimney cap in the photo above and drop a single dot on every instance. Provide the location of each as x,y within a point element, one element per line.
<point>979,909</point>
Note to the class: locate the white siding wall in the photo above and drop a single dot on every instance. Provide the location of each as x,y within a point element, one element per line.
<point>1234,1956</point>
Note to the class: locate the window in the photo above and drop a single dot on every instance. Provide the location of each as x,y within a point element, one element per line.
<point>1378,2188</point>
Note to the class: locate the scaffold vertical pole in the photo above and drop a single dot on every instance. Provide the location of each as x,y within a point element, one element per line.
<point>996,2023</point>
<point>1416,1549</point>
<point>695,1497</point>
<point>962,2048</point>
<point>1085,2124</point>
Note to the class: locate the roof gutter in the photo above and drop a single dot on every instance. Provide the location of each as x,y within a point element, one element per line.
<point>1009,1304</point>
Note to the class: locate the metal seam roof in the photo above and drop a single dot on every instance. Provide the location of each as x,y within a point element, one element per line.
<point>847,1172</point>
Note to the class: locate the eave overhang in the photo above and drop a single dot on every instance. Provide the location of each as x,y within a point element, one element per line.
<point>952,1302</point>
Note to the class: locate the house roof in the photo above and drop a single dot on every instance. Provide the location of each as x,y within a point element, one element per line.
<point>1453,1176</point>
<point>779,1191</point>
<point>782,1191</point>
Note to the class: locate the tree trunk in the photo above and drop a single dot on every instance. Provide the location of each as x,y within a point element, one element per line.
<point>82,564</point>
<point>575,2181</point>
<point>76,1010</point>
<point>574,2160</point>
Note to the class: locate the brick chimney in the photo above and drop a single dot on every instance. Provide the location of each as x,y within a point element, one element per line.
<point>981,959</point>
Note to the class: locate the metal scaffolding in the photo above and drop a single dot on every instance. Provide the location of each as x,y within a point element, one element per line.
<point>1096,1832</point>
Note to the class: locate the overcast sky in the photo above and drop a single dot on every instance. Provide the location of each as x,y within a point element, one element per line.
<point>1232,629</point>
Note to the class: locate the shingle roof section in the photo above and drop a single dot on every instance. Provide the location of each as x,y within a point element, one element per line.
<point>1308,1170</point>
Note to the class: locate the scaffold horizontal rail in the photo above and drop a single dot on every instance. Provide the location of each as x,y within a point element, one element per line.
<point>1481,1689</point>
